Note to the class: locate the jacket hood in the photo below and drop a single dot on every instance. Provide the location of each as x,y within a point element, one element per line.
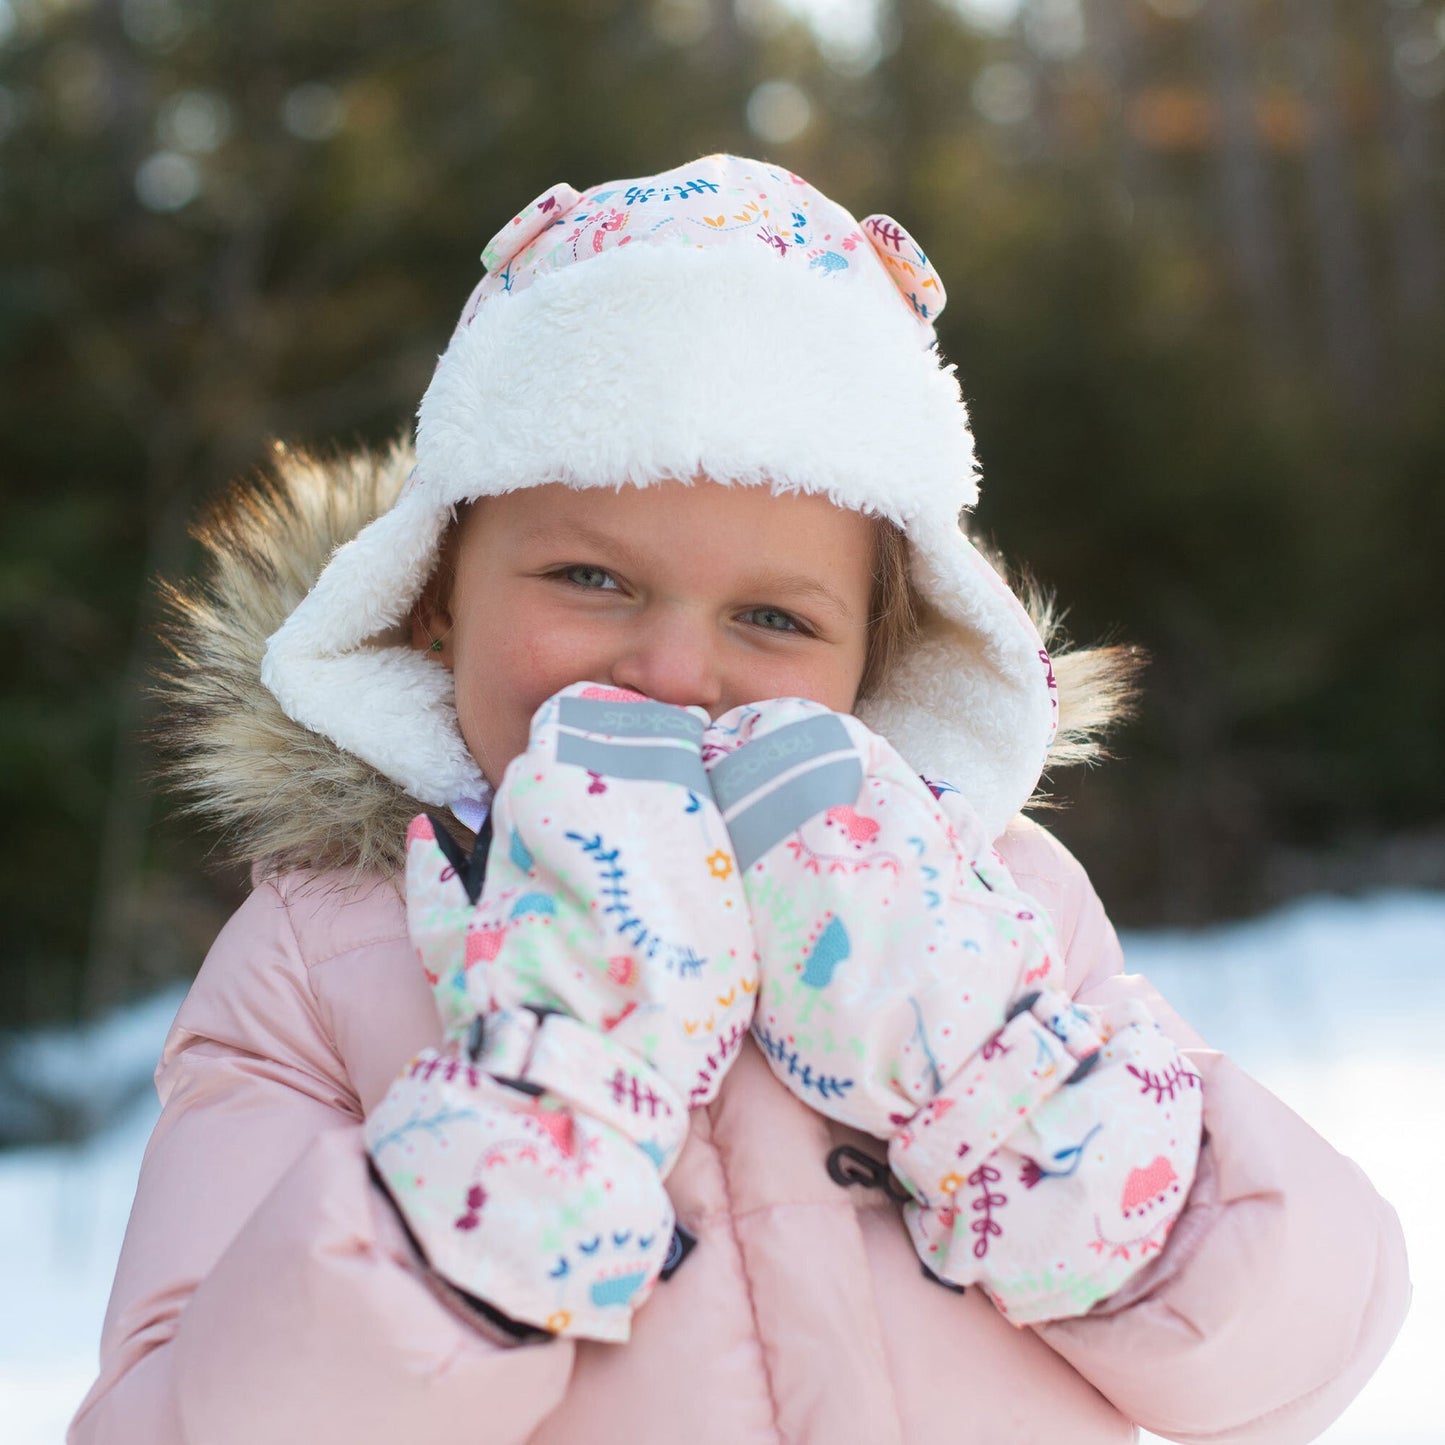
<point>284,797</point>
<point>281,796</point>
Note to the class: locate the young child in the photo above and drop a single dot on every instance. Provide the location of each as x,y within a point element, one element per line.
<point>622,1041</point>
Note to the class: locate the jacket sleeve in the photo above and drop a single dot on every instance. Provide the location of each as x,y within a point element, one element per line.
<point>265,1289</point>
<point>1283,1283</point>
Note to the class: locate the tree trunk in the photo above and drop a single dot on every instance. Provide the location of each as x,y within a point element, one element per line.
<point>1247,194</point>
<point>1352,335</point>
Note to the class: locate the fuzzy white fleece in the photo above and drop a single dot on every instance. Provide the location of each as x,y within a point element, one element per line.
<point>652,362</point>
<point>332,668</point>
<point>283,795</point>
<point>974,702</point>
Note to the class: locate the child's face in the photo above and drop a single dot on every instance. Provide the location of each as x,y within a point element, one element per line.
<point>704,594</point>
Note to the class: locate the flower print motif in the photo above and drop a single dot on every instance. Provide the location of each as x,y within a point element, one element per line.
<point>989,1199</point>
<point>1148,1187</point>
<point>610,222</point>
<point>771,238</point>
<point>476,1198</point>
<point>855,826</point>
<point>484,944</point>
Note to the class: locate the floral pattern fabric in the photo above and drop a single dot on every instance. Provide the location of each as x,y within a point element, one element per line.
<point>718,200</point>
<point>912,991</point>
<point>656,886</point>
<point>597,987</point>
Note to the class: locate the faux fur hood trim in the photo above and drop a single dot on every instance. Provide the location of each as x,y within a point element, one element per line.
<point>281,796</point>
<point>284,797</point>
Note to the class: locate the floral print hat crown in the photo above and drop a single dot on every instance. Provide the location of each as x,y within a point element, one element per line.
<point>724,319</point>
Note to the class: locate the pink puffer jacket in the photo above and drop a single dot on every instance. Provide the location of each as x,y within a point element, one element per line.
<point>267,1294</point>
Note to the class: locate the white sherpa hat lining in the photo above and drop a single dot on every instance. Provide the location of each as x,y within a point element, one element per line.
<point>659,362</point>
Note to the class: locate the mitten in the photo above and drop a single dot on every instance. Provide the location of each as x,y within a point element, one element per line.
<point>910,990</point>
<point>593,989</point>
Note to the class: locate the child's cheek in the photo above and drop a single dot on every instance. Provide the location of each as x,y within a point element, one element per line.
<point>504,679</point>
<point>546,657</point>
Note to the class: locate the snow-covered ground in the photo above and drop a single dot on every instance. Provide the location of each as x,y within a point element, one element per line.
<point>63,1212</point>
<point>1337,1005</point>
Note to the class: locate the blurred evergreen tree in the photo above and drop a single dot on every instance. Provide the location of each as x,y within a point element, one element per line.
<point>1194,261</point>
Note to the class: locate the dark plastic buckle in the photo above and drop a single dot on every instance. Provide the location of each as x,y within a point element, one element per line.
<point>848,1166</point>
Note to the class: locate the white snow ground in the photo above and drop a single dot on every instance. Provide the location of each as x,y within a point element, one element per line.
<point>1337,1005</point>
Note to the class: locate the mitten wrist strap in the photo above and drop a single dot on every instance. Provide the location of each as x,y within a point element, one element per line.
<point>1047,1043</point>
<point>544,1051</point>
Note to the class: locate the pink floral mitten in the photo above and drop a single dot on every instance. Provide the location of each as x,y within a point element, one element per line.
<point>909,989</point>
<point>597,987</point>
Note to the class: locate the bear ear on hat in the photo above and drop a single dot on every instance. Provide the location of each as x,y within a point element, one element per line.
<point>908,268</point>
<point>528,224</point>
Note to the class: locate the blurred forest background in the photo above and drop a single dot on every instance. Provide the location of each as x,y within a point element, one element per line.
<point>1195,256</point>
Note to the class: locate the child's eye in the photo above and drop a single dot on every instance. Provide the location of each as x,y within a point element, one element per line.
<point>774,619</point>
<point>592,578</point>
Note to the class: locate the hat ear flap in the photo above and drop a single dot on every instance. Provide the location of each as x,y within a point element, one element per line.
<point>908,268</point>
<point>337,667</point>
<point>528,224</point>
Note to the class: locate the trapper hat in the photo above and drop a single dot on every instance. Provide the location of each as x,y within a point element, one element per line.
<point>723,319</point>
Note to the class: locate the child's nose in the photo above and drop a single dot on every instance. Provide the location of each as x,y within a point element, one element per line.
<point>673,659</point>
